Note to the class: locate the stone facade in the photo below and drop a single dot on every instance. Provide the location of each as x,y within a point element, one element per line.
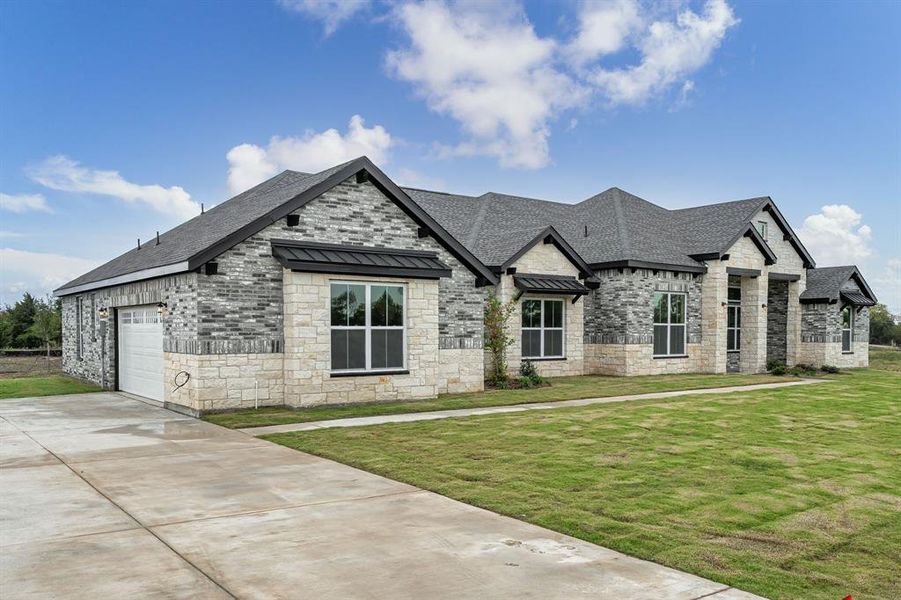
<point>224,381</point>
<point>619,322</point>
<point>545,259</point>
<point>821,336</point>
<point>777,320</point>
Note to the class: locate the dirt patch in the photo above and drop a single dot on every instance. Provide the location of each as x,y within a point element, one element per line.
<point>28,366</point>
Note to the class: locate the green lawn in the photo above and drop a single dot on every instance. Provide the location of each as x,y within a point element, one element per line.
<point>788,493</point>
<point>53,385</point>
<point>883,357</point>
<point>561,388</point>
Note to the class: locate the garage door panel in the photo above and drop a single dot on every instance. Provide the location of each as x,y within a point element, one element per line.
<point>141,351</point>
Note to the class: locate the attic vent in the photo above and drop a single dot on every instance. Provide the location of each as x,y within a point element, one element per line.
<point>211,268</point>
<point>292,220</point>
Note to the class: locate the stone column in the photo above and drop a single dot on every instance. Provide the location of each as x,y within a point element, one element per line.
<point>753,323</point>
<point>793,324</point>
<point>713,318</point>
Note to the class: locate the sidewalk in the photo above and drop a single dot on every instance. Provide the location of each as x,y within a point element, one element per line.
<point>493,410</point>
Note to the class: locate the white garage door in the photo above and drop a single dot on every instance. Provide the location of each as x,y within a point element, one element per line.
<point>141,351</point>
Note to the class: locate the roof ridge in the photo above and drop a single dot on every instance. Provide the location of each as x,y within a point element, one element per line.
<point>477,225</point>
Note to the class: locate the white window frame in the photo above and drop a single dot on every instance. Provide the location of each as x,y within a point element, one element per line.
<point>849,329</point>
<point>763,229</point>
<point>542,329</point>
<point>734,306</point>
<point>669,325</point>
<point>368,328</point>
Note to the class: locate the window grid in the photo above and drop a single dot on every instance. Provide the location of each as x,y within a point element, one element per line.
<point>672,331</point>
<point>368,328</point>
<point>733,316</point>
<point>554,307</point>
<point>847,329</point>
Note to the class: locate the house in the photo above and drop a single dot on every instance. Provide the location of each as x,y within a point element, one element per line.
<point>341,287</point>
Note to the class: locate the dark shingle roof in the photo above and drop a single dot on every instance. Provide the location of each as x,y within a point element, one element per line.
<point>613,228</point>
<point>826,283</point>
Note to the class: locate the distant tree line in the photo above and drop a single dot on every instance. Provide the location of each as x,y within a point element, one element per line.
<point>31,323</point>
<point>883,328</point>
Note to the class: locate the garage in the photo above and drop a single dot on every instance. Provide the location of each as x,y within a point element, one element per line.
<point>140,335</point>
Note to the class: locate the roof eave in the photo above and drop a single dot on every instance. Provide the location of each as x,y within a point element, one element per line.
<point>640,264</point>
<point>152,273</point>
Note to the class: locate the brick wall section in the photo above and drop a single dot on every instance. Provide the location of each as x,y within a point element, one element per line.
<point>777,320</point>
<point>244,301</point>
<point>821,336</point>
<point>97,363</point>
<point>225,381</point>
<point>619,322</point>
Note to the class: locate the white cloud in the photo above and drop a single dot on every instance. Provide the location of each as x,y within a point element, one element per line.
<point>10,234</point>
<point>886,284</point>
<point>250,164</point>
<point>66,175</point>
<point>20,203</point>
<point>484,65</point>
<point>331,12</point>
<point>670,51</point>
<point>604,28</point>
<point>37,272</point>
<point>835,236</point>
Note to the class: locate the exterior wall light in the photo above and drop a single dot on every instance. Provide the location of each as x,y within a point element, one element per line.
<point>103,312</point>
<point>161,308</point>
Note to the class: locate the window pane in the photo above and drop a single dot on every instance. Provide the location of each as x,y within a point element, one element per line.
<point>735,294</point>
<point>677,308</point>
<point>659,308</point>
<point>846,341</point>
<point>531,313</point>
<point>553,343</point>
<point>659,339</point>
<point>730,339</point>
<point>677,339</point>
<point>379,348</point>
<point>356,305</point>
<point>738,317</point>
<point>730,320</point>
<point>396,306</point>
<point>339,304</point>
<point>531,343</point>
<point>394,349</point>
<point>738,339</point>
<point>553,313</point>
<point>356,349</point>
<point>846,317</point>
<point>339,349</point>
<point>378,302</point>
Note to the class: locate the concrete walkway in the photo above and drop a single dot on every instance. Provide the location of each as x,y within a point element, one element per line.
<point>103,496</point>
<point>494,410</point>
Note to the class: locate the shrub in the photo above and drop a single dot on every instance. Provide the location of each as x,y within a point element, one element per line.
<point>775,366</point>
<point>497,339</point>
<point>829,369</point>
<point>525,382</point>
<point>527,369</point>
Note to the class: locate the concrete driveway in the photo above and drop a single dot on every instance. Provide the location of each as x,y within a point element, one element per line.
<point>104,496</point>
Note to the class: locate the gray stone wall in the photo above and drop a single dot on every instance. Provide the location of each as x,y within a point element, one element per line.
<point>821,323</point>
<point>241,306</point>
<point>621,310</point>
<point>97,361</point>
<point>777,320</point>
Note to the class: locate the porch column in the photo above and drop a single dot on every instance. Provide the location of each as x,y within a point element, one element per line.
<point>793,324</point>
<point>713,318</point>
<point>753,323</point>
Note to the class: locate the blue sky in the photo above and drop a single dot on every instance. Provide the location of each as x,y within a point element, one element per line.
<point>119,118</point>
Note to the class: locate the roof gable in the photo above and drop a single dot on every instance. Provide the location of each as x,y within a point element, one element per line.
<point>825,284</point>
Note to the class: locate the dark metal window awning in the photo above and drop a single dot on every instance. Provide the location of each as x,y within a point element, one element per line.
<point>358,260</point>
<point>856,298</point>
<point>552,284</point>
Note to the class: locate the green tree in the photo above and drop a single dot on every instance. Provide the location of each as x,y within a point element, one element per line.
<point>497,314</point>
<point>18,321</point>
<point>883,329</point>
<point>46,325</point>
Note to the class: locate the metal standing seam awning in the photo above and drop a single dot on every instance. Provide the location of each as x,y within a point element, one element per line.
<point>551,284</point>
<point>358,260</point>
<point>856,298</point>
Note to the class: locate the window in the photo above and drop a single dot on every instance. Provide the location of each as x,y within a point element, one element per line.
<point>542,329</point>
<point>762,228</point>
<point>847,329</point>
<point>733,315</point>
<point>79,333</point>
<point>367,327</point>
<point>669,324</point>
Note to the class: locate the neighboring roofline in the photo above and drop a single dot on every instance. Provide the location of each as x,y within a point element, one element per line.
<point>788,233</point>
<point>549,235</point>
<point>141,275</point>
<point>640,264</point>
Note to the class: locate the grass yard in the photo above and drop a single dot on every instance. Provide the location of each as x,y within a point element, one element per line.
<point>53,385</point>
<point>788,493</point>
<point>886,358</point>
<point>561,388</point>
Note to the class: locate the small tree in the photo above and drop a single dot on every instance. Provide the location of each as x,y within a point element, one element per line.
<point>497,314</point>
<point>46,325</point>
